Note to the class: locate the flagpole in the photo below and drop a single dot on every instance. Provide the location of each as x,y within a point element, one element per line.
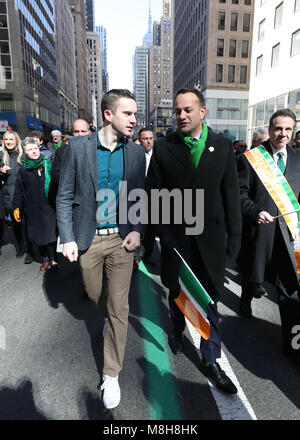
<point>287,213</point>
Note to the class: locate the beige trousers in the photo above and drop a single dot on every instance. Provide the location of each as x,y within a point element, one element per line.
<point>106,271</point>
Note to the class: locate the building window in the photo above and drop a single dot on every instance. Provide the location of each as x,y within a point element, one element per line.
<point>234,21</point>
<point>220,47</point>
<point>219,73</point>
<point>245,49</point>
<point>232,48</point>
<point>259,62</point>
<point>235,2</point>
<point>222,1</point>
<point>295,43</point>
<point>221,21</point>
<point>246,23</point>
<point>278,16</point>
<point>247,2</point>
<point>297,5</point>
<point>243,74</point>
<point>261,30</point>
<point>275,55</point>
<point>231,73</point>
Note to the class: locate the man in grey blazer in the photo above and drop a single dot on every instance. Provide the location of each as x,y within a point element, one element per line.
<point>99,171</point>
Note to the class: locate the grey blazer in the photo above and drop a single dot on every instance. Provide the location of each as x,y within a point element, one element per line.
<point>76,203</point>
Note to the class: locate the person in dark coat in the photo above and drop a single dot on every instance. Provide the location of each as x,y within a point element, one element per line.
<point>10,162</point>
<point>267,251</point>
<point>177,163</point>
<point>46,150</point>
<point>30,201</point>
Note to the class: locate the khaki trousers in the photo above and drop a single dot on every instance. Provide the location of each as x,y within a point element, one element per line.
<point>106,271</point>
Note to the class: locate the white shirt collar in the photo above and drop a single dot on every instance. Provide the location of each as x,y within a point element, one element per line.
<point>275,151</point>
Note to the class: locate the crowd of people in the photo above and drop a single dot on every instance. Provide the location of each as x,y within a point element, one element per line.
<point>51,190</point>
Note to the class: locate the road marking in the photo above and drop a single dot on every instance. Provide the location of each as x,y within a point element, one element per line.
<point>231,407</point>
<point>2,338</point>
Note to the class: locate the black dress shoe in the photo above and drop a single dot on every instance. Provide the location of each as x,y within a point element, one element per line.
<point>28,259</point>
<point>259,291</point>
<point>175,343</point>
<point>219,378</point>
<point>245,309</point>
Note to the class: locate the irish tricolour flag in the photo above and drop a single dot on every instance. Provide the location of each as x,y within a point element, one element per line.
<point>193,299</point>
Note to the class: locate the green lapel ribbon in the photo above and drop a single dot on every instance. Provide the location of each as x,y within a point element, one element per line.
<point>196,146</point>
<point>44,162</point>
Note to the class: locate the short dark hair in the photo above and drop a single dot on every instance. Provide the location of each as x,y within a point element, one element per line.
<point>297,132</point>
<point>37,134</point>
<point>111,98</point>
<point>192,90</point>
<point>285,112</point>
<point>145,129</point>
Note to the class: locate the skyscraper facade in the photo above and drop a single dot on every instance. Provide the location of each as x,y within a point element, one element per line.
<point>103,45</point>
<point>160,90</point>
<point>212,48</point>
<point>93,42</point>
<point>90,15</point>
<point>29,97</point>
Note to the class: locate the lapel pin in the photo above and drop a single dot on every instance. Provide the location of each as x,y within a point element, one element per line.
<point>211,149</point>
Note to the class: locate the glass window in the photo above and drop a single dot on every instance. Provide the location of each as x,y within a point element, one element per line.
<point>234,21</point>
<point>219,73</point>
<point>261,30</point>
<point>246,23</point>
<point>220,47</point>
<point>245,49</point>
<point>2,8</point>
<point>243,74</point>
<point>275,55</point>
<point>259,63</point>
<point>297,5</point>
<point>247,2</point>
<point>221,21</point>
<point>295,43</point>
<point>231,73</point>
<point>4,47</point>
<point>232,48</point>
<point>3,21</point>
<point>235,2</point>
<point>222,1</point>
<point>278,16</point>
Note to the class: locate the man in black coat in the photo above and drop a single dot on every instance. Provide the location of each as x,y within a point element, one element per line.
<point>176,165</point>
<point>267,251</point>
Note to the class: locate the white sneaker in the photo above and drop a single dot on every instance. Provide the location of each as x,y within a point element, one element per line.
<point>111,391</point>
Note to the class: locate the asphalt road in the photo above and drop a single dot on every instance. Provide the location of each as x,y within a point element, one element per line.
<point>51,357</point>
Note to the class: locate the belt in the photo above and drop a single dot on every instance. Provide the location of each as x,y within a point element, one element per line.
<point>106,231</point>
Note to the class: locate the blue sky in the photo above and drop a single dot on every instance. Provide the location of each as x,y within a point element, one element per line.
<point>126,22</point>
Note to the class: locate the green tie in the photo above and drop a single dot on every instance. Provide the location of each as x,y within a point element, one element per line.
<point>280,162</point>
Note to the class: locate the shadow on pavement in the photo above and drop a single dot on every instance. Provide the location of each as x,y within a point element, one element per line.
<point>65,286</point>
<point>256,344</point>
<point>91,407</point>
<point>18,403</point>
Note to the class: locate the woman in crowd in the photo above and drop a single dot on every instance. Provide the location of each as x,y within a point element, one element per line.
<point>10,162</point>
<point>31,201</point>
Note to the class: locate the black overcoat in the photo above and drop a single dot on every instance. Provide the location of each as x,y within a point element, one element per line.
<point>171,167</point>
<point>30,197</point>
<point>258,240</point>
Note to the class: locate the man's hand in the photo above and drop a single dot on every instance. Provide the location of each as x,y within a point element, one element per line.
<point>132,241</point>
<point>70,251</point>
<point>264,218</point>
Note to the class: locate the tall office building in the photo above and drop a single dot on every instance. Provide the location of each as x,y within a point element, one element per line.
<point>90,15</point>
<point>274,82</point>
<point>93,42</point>
<point>66,62</point>
<point>140,75</point>
<point>160,90</point>
<point>82,60</point>
<point>29,93</point>
<point>103,45</point>
<point>212,48</point>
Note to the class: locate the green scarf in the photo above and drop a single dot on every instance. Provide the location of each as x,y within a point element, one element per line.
<point>196,146</point>
<point>41,162</point>
<point>58,144</point>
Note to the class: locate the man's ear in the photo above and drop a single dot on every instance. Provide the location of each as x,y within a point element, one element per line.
<point>108,115</point>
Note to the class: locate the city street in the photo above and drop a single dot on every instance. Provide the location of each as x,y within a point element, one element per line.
<point>50,352</point>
